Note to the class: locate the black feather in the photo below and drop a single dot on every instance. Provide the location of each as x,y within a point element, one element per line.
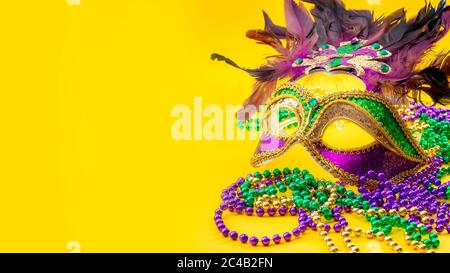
<point>263,74</point>
<point>278,31</point>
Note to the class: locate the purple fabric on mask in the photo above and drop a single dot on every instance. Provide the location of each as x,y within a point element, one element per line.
<point>378,159</point>
<point>365,51</point>
<point>344,61</point>
<point>269,143</point>
<point>327,52</point>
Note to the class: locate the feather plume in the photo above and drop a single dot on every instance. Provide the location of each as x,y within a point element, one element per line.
<point>298,21</point>
<point>261,92</point>
<point>268,38</point>
<point>329,21</point>
<point>278,31</point>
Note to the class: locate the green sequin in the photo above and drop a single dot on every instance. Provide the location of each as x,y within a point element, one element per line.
<point>335,62</point>
<point>349,48</point>
<point>387,121</point>
<point>376,46</point>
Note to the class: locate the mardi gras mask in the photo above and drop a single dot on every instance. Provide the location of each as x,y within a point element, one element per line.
<point>302,113</point>
<point>348,68</point>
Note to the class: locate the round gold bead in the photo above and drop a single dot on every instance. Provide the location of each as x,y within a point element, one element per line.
<point>333,190</point>
<point>398,249</point>
<point>414,210</point>
<point>334,249</point>
<point>415,244</point>
<point>320,226</point>
<point>284,202</point>
<point>420,225</point>
<point>393,244</point>
<point>321,188</point>
<point>345,234</point>
<point>327,239</point>
<point>333,195</point>
<point>316,219</point>
<point>276,204</point>
<point>369,234</point>
<point>425,219</point>
<point>330,244</point>
<point>327,204</point>
<point>266,205</point>
<point>408,239</point>
<point>392,212</point>
<point>423,213</point>
<point>350,245</point>
<point>422,246</point>
<point>323,233</point>
<point>402,211</point>
<point>358,232</point>
<point>382,212</point>
<point>354,210</point>
<point>387,238</point>
<point>347,240</point>
<point>370,212</point>
<point>266,197</point>
<point>259,204</point>
<point>360,212</point>
<point>380,235</point>
<point>348,229</point>
<point>431,251</point>
<point>355,249</point>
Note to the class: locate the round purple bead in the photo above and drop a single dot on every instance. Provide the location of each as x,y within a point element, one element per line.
<point>276,239</point>
<point>243,238</point>
<point>225,232</point>
<point>260,212</point>
<point>287,236</point>
<point>234,235</point>
<point>337,227</point>
<point>249,211</point>
<point>293,211</point>
<point>271,211</point>
<point>253,240</point>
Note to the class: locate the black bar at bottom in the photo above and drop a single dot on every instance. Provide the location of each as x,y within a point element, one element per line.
<point>219,262</point>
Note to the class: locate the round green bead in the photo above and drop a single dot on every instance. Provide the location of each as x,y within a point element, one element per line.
<point>423,230</point>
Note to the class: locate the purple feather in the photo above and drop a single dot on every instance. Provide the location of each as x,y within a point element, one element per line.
<point>298,21</point>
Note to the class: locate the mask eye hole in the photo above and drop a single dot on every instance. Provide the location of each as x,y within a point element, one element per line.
<point>282,121</point>
<point>345,135</point>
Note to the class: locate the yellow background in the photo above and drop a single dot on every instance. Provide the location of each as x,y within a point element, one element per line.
<point>86,150</point>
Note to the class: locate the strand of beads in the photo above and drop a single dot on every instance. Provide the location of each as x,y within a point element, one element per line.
<point>311,201</point>
<point>413,205</point>
<point>410,205</point>
<point>415,197</point>
<point>232,200</point>
<point>416,110</point>
<point>436,134</point>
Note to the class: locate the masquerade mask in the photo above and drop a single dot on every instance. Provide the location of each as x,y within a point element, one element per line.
<point>346,67</point>
<point>297,114</point>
